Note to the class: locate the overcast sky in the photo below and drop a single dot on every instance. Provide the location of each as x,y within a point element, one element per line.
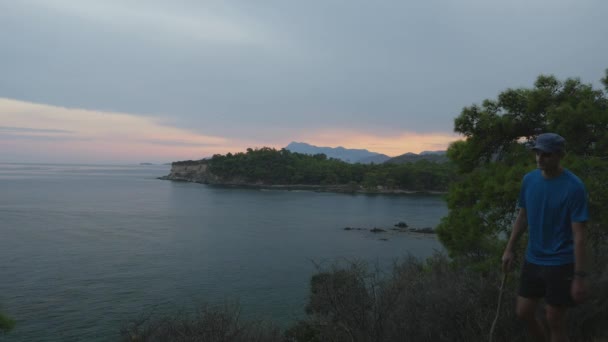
<point>155,81</point>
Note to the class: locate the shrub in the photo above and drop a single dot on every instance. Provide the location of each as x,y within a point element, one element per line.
<point>432,300</point>
<point>209,324</point>
<point>6,323</point>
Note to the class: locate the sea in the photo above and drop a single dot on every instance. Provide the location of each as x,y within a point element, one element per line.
<point>85,249</point>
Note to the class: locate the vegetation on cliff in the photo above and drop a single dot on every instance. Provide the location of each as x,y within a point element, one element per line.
<point>269,166</point>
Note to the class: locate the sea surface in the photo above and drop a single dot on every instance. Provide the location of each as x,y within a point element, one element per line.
<point>86,248</point>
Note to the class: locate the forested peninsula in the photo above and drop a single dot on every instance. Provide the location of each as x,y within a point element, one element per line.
<point>281,169</point>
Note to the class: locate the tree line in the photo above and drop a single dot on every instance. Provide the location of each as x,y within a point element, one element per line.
<point>269,166</point>
<point>494,156</point>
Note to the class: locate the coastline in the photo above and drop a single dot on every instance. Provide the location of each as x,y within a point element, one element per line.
<point>348,189</point>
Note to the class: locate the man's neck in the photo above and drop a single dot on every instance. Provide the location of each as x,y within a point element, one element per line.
<point>552,173</point>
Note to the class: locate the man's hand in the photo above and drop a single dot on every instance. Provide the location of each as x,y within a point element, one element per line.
<point>508,258</point>
<point>520,225</point>
<point>578,289</point>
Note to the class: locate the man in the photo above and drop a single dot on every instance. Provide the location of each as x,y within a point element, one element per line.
<point>553,207</point>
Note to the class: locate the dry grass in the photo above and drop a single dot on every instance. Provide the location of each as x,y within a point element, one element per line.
<point>209,324</point>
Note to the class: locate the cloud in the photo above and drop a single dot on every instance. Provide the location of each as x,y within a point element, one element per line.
<point>391,145</point>
<point>39,138</point>
<point>87,135</point>
<point>203,23</point>
<point>232,68</point>
<point>181,143</point>
<point>33,130</point>
<point>39,132</point>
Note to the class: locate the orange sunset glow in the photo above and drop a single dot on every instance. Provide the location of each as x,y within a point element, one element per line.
<point>87,135</point>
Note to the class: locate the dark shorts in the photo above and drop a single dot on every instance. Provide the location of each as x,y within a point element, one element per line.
<point>552,282</point>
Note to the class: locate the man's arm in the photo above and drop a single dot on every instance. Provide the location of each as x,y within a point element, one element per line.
<point>579,288</point>
<point>580,257</point>
<point>521,224</point>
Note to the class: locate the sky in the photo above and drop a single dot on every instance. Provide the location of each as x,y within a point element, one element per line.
<point>128,81</point>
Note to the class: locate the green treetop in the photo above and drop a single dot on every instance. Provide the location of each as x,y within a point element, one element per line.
<point>493,158</point>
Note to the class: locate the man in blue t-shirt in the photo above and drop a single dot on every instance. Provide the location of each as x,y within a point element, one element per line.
<point>553,208</point>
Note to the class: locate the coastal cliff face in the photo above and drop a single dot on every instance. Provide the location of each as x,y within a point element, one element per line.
<point>196,171</point>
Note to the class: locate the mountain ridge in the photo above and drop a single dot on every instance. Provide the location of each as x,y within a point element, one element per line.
<point>364,156</point>
<point>345,154</point>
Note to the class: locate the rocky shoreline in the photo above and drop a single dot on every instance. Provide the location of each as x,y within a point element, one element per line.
<point>306,187</point>
<point>196,172</point>
<point>400,227</point>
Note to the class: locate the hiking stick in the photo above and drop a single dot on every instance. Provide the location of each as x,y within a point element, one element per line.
<point>502,288</point>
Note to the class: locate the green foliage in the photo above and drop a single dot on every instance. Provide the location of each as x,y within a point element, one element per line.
<point>267,166</point>
<point>493,158</point>
<point>350,302</point>
<point>432,300</point>
<point>6,323</point>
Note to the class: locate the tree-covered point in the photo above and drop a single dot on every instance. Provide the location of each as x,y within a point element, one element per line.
<point>270,166</point>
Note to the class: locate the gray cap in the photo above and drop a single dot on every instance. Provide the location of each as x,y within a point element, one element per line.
<point>549,142</point>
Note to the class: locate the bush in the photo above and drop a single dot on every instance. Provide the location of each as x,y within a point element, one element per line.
<point>434,300</point>
<point>6,323</point>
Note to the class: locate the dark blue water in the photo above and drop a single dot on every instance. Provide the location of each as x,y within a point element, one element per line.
<point>85,248</point>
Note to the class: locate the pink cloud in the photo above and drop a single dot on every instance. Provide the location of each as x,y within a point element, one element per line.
<point>36,132</point>
<point>391,145</point>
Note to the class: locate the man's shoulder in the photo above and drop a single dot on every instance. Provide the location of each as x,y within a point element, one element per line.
<point>533,175</point>
<point>573,179</point>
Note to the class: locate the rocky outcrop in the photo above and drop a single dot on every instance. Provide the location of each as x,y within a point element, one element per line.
<point>191,171</point>
<point>401,224</point>
<point>197,171</point>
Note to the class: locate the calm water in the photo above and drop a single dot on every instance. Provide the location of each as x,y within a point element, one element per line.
<point>84,248</point>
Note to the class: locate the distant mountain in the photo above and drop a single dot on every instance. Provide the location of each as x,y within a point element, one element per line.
<point>437,153</point>
<point>345,154</point>
<point>379,159</point>
<point>433,156</point>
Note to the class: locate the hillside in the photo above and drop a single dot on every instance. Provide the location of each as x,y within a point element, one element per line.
<point>432,156</point>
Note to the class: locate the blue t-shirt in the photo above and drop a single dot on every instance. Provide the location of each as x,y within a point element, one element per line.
<point>552,205</point>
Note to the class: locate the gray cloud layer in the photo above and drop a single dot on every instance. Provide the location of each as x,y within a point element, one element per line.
<point>381,66</point>
<point>32,130</point>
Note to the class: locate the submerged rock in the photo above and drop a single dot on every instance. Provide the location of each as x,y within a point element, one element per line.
<point>426,230</point>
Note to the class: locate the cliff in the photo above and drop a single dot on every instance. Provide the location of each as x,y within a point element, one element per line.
<point>191,171</point>
<point>197,171</point>
<point>271,169</point>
